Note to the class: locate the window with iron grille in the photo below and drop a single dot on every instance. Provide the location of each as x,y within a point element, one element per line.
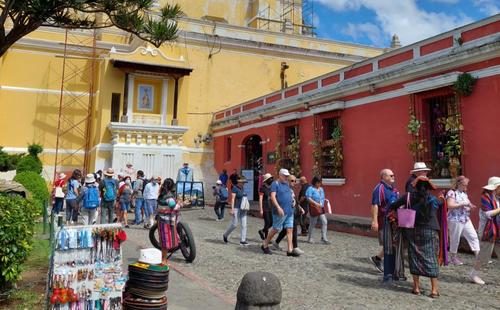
<point>444,147</point>
<point>291,150</point>
<point>331,157</point>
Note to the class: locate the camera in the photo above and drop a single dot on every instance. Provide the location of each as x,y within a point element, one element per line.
<point>213,187</point>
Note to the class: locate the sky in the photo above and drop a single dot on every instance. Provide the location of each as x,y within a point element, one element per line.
<point>373,22</point>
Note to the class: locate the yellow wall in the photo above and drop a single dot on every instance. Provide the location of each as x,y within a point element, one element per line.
<point>30,77</point>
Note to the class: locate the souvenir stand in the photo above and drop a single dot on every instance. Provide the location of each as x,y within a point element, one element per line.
<point>86,268</point>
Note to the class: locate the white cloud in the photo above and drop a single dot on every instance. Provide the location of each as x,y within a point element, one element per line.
<point>368,30</point>
<point>489,7</point>
<point>446,1</point>
<point>401,17</point>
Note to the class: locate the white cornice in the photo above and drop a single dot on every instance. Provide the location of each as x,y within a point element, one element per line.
<point>43,91</point>
<point>432,83</point>
<point>125,127</point>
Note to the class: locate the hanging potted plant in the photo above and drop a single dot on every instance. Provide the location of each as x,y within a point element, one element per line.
<point>464,85</point>
<point>336,152</point>
<point>453,150</point>
<point>316,153</point>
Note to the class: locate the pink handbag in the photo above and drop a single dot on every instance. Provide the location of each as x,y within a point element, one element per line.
<point>406,216</point>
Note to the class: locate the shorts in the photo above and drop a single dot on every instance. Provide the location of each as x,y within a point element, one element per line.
<point>282,222</point>
<point>125,205</point>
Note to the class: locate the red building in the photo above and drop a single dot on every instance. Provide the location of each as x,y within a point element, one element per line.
<point>409,104</point>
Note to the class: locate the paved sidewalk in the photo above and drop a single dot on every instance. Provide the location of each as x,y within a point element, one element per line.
<point>336,276</point>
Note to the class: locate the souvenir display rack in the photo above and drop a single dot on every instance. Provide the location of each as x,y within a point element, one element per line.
<point>86,268</point>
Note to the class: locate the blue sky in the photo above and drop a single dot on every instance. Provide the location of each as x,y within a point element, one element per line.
<point>373,22</point>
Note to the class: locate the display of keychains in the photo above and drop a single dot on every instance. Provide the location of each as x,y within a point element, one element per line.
<point>86,268</point>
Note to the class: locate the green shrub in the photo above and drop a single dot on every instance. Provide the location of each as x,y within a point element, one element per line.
<point>7,161</point>
<point>29,163</point>
<point>35,184</point>
<point>17,226</point>
<point>35,149</point>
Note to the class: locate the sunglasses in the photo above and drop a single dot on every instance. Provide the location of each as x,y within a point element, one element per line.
<point>293,181</point>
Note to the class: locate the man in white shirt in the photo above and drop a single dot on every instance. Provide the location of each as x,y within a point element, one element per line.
<point>150,198</point>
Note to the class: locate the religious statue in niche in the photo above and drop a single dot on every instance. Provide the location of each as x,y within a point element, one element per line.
<point>145,97</point>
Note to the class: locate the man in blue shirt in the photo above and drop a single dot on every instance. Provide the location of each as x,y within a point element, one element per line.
<point>223,177</point>
<point>382,196</point>
<point>282,201</point>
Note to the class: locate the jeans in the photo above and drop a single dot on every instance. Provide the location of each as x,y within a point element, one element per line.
<point>219,209</point>
<point>312,223</point>
<point>58,205</point>
<point>107,208</point>
<point>282,233</point>
<point>139,204</point>
<point>71,210</point>
<point>268,222</point>
<point>238,216</point>
<point>89,216</point>
<point>150,208</point>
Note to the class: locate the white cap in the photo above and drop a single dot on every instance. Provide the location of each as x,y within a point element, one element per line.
<point>284,172</point>
<point>150,256</point>
<point>218,182</point>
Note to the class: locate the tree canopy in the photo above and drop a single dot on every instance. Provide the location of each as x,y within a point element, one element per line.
<point>21,17</point>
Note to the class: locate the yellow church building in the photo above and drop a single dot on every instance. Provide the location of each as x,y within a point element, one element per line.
<point>104,98</point>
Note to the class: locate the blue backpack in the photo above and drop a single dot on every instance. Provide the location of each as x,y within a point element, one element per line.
<point>109,190</point>
<point>223,193</point>
<point>91,198</point>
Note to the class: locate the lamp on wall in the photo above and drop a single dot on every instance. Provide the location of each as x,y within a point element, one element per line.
<point>306,105</point>
<point>207,139</point>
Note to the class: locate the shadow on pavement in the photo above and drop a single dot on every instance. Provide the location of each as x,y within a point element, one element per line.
<point>402,286</point>
<point>360,269</point>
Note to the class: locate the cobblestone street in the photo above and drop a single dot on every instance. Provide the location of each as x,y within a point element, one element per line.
<point>336,276</point>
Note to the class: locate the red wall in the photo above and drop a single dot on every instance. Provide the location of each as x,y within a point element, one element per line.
<point>375,137</point>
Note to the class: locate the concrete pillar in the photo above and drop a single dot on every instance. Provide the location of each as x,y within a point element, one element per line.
<point>164,99</point>
<point>130,97</point>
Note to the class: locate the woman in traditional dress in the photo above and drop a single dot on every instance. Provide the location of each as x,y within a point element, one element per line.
<point>489,226</point>
<point>423,239</point>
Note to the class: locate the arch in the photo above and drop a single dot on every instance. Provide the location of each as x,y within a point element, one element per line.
<point>252,159</point>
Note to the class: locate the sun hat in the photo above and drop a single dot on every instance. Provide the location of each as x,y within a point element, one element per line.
<point>62,175</point>
<point>493,183</point>
<point>89,178</point>
<point>284,172</point>
<point>219,182</point>
<point>423,179</point>
<point>109,172</point>
<point>242,180</point>
<point>266,177</point>
<point>420,166</point>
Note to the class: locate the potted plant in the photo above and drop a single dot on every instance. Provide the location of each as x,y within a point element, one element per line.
<point>453,150</point>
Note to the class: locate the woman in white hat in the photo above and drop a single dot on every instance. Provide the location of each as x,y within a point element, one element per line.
<point>58,193</point>
<point>420,169</point>
<point>489,226</point>
<point>221,195</point>
<point>265,204</point>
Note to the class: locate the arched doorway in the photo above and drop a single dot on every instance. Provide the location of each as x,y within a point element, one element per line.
<point>253,160</point>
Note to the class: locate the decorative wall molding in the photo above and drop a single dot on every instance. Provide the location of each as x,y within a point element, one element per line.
<point>333,182</point>
<point>43,91</point>
<point>147,51</point>
<point>432,82</point>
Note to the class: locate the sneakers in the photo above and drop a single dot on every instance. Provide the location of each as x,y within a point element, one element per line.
<point>262,235</point>
<point>276,246</point>
<point>311,241</point>
<point>325,241</point>
<point>224,238</point>
<point>298,251</point>
<point>377,262</point>
<point>265,250</point>
<point>244,243</point>
<point>455,261</point>
<point>475,278</point>
<point>293,254</point>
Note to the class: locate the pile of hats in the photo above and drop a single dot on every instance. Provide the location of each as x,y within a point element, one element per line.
<point>147,283</point>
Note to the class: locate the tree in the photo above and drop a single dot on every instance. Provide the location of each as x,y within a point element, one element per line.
<point>133,16</point>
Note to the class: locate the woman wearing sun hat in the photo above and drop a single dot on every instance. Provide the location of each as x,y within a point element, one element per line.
<point>489,226</point>
<point>423,239</point>
<point>419,169</point>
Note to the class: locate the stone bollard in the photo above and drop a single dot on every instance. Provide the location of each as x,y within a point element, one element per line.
<point>259,291</point>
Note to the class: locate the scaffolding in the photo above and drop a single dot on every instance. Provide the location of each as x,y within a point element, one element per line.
<point>291,16</point>
<point>76,101</point>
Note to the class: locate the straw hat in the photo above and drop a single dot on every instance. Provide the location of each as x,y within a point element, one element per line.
<point>420,166</point>
<point>493,183</point>
<point>109,172</point>
<point>266,177</point>
<point>89,178</point>
<point>425,180</point>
